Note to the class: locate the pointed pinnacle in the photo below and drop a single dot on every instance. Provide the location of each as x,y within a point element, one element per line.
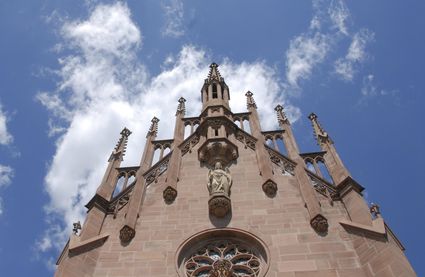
<point>250,102</point>
<point>320,134</point>
<point>121,145</point>
<point>281,116</point>
<point>181,108</point>
<point>214,74</point>
<point>153,130</point>
<point>125,132</point>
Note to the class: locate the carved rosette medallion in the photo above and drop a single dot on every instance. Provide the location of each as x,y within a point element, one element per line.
<point>270,188</point>
<point>319,224</point>
<point>127,234</point>
<point>169,195</point>
<point>222,268</point>
<point>219,205</point>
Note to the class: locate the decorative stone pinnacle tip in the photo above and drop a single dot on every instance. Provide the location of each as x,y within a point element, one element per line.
<point>312,116</point>
<point>213,64</point>
<point>155,119</point>
<point>249,93</point>
<point>181,99</point>
<point>77,227</point>
<point>375,210</point>
<point>278,108</point>
<point>125,132</point>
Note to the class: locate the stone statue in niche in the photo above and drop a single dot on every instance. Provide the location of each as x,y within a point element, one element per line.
<point>219,180</point>
<point>219,183</point>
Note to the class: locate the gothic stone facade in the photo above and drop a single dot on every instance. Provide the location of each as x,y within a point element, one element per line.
<point>225,201</point>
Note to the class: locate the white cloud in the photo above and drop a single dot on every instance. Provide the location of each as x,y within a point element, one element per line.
<point>328,27</point>
<point>356,54</point>
<point>339,13</point>
<point>369,87</point>
<point>174,13</point>
<point>5,137</point>
<point>6,175</point>
<point>305,52</point>
<point>103,88</point>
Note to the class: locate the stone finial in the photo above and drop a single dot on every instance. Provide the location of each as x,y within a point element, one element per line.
<point>181,108</point>
<point>250,102</point>
<point>153,129</point>
<point>320,134</point>
<point>121,145</point>
<point>122,142</point>
<point>281,116</point>
<point>375,210</point>
<point>76,227</point>
<point>214,74</point>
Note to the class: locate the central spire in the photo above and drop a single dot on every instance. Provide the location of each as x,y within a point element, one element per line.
<point>214,74</point>
<point>215,92</point>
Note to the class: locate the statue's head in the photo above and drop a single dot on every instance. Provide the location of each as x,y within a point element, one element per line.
<point>218,165</point>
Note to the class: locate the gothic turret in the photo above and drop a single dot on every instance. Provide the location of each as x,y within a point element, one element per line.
<point>215,91</point>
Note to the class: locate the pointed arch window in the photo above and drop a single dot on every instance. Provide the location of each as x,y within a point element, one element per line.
<point>214,91</point>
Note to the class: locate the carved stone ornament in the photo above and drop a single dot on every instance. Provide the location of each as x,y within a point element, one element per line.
<point>375,210</point>
<point>270,188</point>
<point>214,150</point>
<point>219,183</point>
<point>219,205</point>
<point>169,195</point>
<point>127,234</point>
<point>222,268</point>
<point>319,224</point>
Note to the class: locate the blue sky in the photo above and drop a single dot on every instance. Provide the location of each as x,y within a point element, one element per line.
<point>74,73</point>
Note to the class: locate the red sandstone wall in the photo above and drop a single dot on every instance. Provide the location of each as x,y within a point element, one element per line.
<point>282,222</point>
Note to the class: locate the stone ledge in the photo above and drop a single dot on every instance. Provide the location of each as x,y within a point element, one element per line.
<point>76,246</point>
<point>378,227</point>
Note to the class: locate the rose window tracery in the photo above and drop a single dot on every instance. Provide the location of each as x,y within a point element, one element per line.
<point>223,259</point>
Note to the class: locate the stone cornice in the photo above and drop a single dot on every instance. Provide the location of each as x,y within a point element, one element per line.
<point>378,227</point>
<point>347,185</point>
<point>76,246</point>
<point>313,155</point>
<point>205,110</point>
<point>99,202</point>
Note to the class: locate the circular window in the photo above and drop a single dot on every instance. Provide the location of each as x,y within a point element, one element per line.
<point>223,253</point>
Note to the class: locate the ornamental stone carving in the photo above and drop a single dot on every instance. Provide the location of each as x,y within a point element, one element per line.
<point>223,259</point>
<point>169,195</point>
<point>219,180</point>
<point>218,149</point>
<point>319,224</point>
<point>270,188</point>
<point>127,234</point>
<point>219,183</point>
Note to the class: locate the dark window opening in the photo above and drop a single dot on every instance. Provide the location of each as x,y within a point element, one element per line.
<point>216,132</point>
<point>214,91</point>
